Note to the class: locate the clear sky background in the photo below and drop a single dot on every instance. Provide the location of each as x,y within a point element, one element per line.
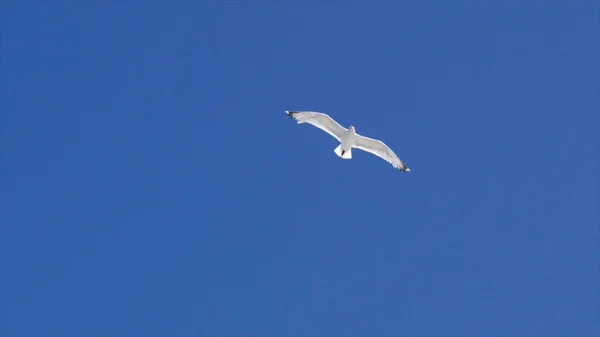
<point>151,184</point>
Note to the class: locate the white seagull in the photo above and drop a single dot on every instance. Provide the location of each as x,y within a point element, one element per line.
<point>348,138</point>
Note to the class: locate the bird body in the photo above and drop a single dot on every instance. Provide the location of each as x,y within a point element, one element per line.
<point>344,150</point>
<point>348,138</point>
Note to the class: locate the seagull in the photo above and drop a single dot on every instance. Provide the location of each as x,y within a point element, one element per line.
<point>348,138</point>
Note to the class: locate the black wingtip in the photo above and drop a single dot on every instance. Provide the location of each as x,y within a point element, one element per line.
<point>291,113</point>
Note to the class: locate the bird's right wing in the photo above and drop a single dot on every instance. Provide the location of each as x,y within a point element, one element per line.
<point>381,150</point>
<point>320,120</point>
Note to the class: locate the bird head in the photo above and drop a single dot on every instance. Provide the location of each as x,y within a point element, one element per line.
<point>352,128</point>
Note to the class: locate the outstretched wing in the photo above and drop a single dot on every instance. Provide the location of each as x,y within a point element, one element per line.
<point>381,150</point>
<point>320,120</point>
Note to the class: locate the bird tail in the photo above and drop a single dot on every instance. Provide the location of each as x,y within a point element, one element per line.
<point>346,155</point>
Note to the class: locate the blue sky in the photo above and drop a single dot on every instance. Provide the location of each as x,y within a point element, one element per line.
<point>151,184</point>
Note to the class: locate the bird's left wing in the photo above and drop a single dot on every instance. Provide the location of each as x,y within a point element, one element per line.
<point>320,120</point>
<point>381,150</point>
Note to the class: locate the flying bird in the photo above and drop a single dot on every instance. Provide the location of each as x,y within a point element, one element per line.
<point>348,138</point>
